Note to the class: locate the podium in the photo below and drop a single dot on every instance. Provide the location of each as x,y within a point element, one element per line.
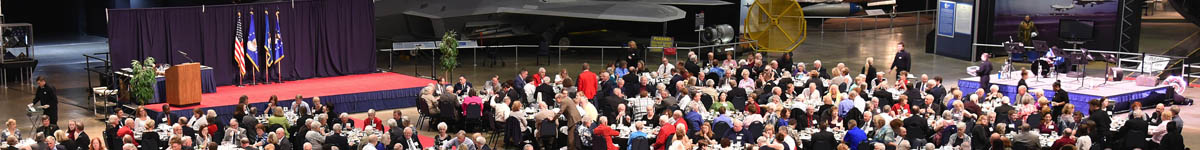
<point>183,84</point>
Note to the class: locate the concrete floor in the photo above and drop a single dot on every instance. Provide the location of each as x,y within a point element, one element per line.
<point>63,63</point>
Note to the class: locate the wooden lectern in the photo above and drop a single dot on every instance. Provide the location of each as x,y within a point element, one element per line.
<point>183,84</point>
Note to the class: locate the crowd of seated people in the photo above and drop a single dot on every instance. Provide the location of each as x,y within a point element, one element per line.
<point>756,103</point>
<point>710,103</point>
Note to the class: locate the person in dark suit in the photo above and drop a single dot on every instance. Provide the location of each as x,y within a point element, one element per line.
<point>611,103</point>
<point>985,71</point>
<point>1060,99</point>
<point>1102,119</point>
<point>902,61</point>
<point>937,91</point>
<point>546,90</point>
<point>78,139</point>
<point>462,86</point>
<point>1173,140</point>
<point>737,96</point>
<point>47,98</point>
<point>868,70</point>
<point>337,139</point>
<point>824,74</point>
<point>169,117</point>
<point>111,131</point>
<point>918,129</point>
<point>823,139</point>
<point>408,140</point>
<point>1133,134</point>
<point>47,128</point>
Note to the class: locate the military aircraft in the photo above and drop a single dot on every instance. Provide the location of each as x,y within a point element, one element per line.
<point>842,7</point>
<point>1062,7</point>
<point>413,20</point>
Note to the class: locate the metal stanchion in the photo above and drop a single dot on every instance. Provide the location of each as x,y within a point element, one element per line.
<point>474,60</point>
<point>516,57</point>
<point>560,57</point>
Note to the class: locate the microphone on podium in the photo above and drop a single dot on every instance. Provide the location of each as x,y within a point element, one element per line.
<point>185,55</point>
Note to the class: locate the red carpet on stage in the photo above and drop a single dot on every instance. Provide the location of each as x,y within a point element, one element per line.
<point>228,95</point>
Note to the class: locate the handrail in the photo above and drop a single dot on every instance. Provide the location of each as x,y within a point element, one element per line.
<point>862,16</point>
<point>1090,51</point>
<point>106,61</point>
<point>568,46</point>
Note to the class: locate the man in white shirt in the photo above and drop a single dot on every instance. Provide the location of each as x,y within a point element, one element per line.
<point>666,67</point>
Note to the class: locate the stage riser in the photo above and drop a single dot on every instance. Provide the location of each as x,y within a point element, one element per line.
<point>1147,97</point>
<point>348,103</point>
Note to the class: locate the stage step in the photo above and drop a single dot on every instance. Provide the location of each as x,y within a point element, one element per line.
<point>1188,47</point>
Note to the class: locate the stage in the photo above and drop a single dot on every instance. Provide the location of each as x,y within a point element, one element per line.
<point>1124,93</point>
<point>350,94</point>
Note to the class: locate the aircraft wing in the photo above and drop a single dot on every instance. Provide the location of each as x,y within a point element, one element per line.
<point>683,2</point>
<point>605,10</point>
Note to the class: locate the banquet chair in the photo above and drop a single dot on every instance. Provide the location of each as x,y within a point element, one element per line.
<point>598,142</point>
<point>707,100</point>
<point>821,145</point>
<point>639,143</point>
<point>755,130</point>
<point>472,115</point>
<point>424,113</point>
<point>737,102</point>
<point>512,132</point>
<point>447,115</point>
<point>547,132</point>
<point>864,145</point>
<point>1021,146</point>
<point>720,129</point>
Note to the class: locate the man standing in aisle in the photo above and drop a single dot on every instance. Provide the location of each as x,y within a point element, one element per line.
<point>985,71</point>
<point>587,82</point>
<point>47,98</point>
<point>902,61</point>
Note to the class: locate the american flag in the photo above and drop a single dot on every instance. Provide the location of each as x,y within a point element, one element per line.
<point>239,49</point>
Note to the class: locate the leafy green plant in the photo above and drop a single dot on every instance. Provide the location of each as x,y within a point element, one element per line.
<point>142,83</point>
<point>449,49</point>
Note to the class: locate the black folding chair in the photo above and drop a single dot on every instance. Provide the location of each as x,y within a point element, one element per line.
<point>547,132</point>
<point>512,135</point>
<point>423,109</point>
<point>707,100</point>
<point>754,131</point>
<point>720,129</point>
<point>473,115</point>
<point>447,113</point>
<point>640,143</point>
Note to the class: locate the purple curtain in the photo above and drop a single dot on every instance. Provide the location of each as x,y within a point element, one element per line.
<point>321,37</point>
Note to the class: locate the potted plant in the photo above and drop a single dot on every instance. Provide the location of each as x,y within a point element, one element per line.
<point>142,82</point>
<point>449,50</point>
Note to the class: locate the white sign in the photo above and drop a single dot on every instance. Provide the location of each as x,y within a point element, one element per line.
<point>962,18</point>
<point>875,12</point>
<point>1154,63</point>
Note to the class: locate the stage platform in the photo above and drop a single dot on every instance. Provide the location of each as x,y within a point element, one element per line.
<point>1123,92</point>
<point>350,94</point>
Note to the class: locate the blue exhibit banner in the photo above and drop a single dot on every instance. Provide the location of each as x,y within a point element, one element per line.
<point>945,20</point>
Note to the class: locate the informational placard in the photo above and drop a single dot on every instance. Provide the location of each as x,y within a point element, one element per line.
<point>945,20</point>
<point>661,41</point>
<point>1154,63</point>
<point>876,12</point>
<point>962,16</point>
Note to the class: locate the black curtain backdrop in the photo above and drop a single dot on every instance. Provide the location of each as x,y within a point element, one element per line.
<point>321,38</point>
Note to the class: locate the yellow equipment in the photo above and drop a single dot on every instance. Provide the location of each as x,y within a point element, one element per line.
<point>776,25</point>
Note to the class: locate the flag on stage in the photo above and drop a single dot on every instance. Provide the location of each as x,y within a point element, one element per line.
<point>252,45</point>
<point>270,39</point>
<point>238,48</point>
<point>278,51</point>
